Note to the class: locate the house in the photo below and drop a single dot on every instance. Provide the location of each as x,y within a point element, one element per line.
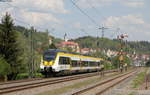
<point>69,44</point>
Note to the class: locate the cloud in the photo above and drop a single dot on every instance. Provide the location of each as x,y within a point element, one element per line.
<point>101,3</point>
<point>38,18</point>
<point>134,3</point>
<point>77,25</point>
<point>32,18</point>
<point>134,25</point>
<point>35,12</point>
<point>124,20</point>
<point>56,6</point>
<point>95,3</point>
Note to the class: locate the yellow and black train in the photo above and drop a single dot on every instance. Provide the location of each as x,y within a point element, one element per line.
<point>56,61</point>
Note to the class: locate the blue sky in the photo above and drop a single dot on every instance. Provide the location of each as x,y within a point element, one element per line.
<point>61,16</point>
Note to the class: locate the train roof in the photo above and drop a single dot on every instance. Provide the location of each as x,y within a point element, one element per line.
<point>57,50</point>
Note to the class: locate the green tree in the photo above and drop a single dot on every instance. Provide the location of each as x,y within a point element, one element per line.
<point>9,45</point>
<point>116,62</point>
<point>4,68</point>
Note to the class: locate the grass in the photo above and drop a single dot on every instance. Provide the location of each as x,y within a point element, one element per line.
<point>138,80</point>
<point>132,93</point>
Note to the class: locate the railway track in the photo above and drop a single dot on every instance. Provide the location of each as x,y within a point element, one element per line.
<point>37,79</point>
<point>20,81</point>
<point>15,88</point>
<point>104,86</point>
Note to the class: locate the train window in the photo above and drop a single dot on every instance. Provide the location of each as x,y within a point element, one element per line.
<point>82,63</point>
<point>79,63</point>
<point>64,60</point>
<point>92,63</point>
<point>48,56</point>
<point>96,63</point>
<point>85,63</point>
<point>74,63</point>
<point>89,63</point>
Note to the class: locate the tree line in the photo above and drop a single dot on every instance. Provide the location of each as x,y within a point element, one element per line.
<point>15,48</point>
<point>113,44</point>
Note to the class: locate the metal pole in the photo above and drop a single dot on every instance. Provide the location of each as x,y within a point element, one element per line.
<point>103,30</point>
<point>31,75</point>
<point>32,52</point>
<point>102,36</point>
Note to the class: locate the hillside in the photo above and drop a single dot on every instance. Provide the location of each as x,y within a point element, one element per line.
<point>131,46</point>
<point>41,41</point>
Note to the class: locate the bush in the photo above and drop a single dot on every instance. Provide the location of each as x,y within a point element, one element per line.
<point>108,66</point>
<point>26,75</point>
<point>38,75</point>
<point>22,76</point>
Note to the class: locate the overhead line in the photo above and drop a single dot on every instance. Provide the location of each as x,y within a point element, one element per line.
<point>84,32</point>
<point>90,18</point>
<point>95,9</point>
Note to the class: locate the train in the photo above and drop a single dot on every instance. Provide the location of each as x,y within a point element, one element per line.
<point>56,61</point>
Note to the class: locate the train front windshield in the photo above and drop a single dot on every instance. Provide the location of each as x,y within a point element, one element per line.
<point>49,56</point>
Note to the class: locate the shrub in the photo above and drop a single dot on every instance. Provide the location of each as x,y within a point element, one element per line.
<point>4,68</point>
<point>26,75</point>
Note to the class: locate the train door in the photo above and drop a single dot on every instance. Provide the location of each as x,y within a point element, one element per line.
<point>64,63</point>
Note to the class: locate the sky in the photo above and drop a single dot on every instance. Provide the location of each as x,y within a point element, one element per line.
<point>79,18</point>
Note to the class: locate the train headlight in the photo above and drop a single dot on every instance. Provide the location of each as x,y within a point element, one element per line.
<point>45,63</point>
<point>51,63</point>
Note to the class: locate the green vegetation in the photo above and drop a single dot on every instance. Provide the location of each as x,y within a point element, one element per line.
<point>15,48</point>
<point>26,75</point>
<point>139,79</point>
<point>127,94</point>
<point>10,47</point>
<point>108,66</point>
<point>105,43</point>
<point>131,94</point>
<point>4,68</point>
<point>115,61</point>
